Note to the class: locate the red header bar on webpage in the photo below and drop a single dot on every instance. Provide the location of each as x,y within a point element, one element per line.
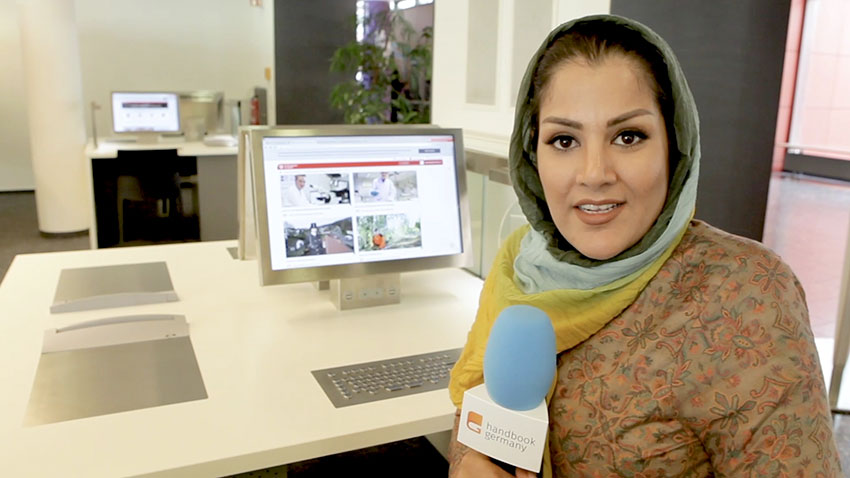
<point>382,164</point>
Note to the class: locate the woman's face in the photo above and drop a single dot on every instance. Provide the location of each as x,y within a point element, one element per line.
<point>602,154</point>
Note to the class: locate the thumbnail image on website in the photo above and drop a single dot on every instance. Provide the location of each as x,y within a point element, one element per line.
<point>389,231</point>
<point>385,186</point>
<point>300,190</point>
<point>319,238</point>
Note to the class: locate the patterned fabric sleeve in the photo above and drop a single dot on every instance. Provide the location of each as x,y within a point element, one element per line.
<point>762,409</point>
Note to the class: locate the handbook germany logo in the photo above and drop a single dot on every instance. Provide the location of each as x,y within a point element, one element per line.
<point>474,422</point>
<point>501,436</point>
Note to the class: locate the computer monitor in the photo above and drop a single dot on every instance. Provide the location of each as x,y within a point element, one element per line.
<point>145,114</point>
<point>336,202</point>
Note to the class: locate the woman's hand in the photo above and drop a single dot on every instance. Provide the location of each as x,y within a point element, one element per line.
<point>464,462</point>
<point>476,465</point>
<point>520,473</point>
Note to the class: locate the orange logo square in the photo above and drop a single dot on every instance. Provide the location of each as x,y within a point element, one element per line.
<point>474,421</point>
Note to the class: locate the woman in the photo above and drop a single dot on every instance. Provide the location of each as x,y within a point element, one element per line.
<point>683,350</point>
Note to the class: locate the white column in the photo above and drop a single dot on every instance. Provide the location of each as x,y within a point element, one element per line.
<point>51,58</point>
<point>842,332</point>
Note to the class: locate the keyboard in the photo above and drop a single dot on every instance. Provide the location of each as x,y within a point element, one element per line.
<point>396,377</point>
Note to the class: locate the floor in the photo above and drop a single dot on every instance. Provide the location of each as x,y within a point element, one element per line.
<point>19,231</point>
<point>416,457</point>
<point>807,224</point>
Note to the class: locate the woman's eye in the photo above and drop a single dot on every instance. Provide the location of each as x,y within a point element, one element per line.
<point>563,142</point>
<point>629,138</point>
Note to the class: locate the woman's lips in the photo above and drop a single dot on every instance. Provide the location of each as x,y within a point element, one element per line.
<point>595,213</point>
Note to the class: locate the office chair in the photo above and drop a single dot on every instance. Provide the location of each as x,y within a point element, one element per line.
<point>149,202</point>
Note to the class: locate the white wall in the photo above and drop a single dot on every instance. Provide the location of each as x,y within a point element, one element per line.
<point>518,31</point>
<point>221,45</point>
<point>15,169</point>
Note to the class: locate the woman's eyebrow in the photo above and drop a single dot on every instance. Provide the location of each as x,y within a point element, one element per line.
<point>627,116</point>
<point>562,121</point>
<point>612,122</point>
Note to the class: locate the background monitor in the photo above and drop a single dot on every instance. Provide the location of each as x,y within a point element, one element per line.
<point>201,112</point>
<point>145,112</point>
<point>336,202</point>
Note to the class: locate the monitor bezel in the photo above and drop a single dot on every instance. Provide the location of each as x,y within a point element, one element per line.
<point>345,271</point>
<point>138,132</point>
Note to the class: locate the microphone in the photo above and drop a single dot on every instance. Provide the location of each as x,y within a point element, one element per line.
<point>506,417</point>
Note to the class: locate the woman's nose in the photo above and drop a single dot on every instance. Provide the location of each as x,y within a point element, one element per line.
<point>596,168</point>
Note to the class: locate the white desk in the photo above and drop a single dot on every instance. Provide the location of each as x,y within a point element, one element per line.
<point>109,149</point>
<point>255,348</point>
<point>216,182</point>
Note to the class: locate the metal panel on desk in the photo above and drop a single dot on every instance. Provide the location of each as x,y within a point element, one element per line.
<point>114,365</point>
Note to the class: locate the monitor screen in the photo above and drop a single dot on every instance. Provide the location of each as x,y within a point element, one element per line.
<point>346,201</point>
<point>141,112</point>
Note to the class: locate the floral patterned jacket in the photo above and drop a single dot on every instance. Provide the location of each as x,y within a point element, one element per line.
<point>712,371</point>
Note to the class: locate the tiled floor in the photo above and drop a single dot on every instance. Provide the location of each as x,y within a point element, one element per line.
<point>19,230</point>
<point>841,425</point>
<point>807,222</point>
<point>416,457</point>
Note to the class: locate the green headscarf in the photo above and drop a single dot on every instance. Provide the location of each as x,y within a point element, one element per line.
<point>547,260</point>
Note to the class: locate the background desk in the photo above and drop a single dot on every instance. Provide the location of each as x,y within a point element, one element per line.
<point>216,171</point>
<point>255,348</point>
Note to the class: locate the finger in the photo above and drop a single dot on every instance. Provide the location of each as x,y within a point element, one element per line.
<point>477,465</point>
<point>520,473</point>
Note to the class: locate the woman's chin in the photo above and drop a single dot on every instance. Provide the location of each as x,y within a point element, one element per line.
<point>603,243</point>
<point>599,254</point>
<point>600,249</point>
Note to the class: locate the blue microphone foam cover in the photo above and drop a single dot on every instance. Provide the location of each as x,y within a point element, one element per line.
<point>520,359</point>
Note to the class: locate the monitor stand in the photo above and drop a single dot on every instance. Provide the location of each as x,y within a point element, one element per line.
<point>366,291</point>
<point>144,137</point>
<point>147,138</point>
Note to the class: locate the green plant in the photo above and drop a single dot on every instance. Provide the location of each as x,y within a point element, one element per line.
<point>394,66</point>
